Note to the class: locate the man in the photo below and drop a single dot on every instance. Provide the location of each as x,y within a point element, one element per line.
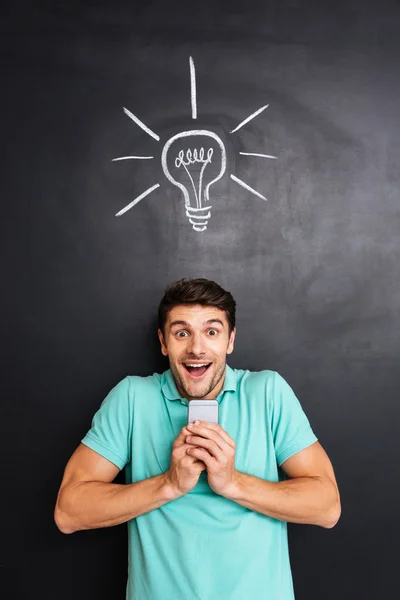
<point>206,504</point>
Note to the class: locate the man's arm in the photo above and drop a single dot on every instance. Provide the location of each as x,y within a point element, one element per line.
<point>310,495</point>
<point>87,499</point>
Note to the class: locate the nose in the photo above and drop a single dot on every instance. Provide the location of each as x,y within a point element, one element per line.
<point>196,345</point>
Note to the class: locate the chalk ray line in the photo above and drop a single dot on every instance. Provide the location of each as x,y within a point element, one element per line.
<point>138,199</point>
<point>247,187</point>
<point>252,116</point>
<point>255,154</point>
<point>193,95</point>
<point>141,124</point>
<point>131,157</point>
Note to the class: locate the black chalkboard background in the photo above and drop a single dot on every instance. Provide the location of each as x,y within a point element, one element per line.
<point>314,269</point>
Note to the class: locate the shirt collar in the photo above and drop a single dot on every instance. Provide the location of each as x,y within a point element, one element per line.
<point>170,391</point>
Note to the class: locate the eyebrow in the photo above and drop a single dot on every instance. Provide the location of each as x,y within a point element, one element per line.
<point>186,324</point>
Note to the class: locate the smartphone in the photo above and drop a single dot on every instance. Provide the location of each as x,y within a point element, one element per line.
<point>203,410</point>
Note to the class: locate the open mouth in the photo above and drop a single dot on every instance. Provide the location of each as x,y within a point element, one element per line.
<point>196,370</point>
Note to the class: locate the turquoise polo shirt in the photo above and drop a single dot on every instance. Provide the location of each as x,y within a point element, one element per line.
<point>203,546</point>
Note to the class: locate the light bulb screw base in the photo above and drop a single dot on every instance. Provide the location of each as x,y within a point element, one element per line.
<point>198,217</point>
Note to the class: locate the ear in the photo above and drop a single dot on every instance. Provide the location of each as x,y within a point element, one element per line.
<point>162,342</point>
<point>231,343</point>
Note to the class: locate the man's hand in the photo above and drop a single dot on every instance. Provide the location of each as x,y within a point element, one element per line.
<point>211,444</point>
<point>184,471</point>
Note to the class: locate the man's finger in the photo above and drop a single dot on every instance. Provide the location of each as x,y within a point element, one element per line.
<point>212,431</point>
<point>203,455</point>
<point>181,437</point>
<point>214,447</point>
<point>179,450</point>
<point>190,460</point>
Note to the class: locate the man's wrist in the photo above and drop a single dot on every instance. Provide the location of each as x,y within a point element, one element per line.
<point>235,489</point>
<point>168,490</point>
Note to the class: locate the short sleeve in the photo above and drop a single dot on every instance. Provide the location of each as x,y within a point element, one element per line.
<point>290,427</point>
<point>111,431</point>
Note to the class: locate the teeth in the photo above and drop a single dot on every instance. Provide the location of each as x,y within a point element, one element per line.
<point>202,365</point>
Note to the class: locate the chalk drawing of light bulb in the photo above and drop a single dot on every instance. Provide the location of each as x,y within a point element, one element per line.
<point>188,169</point>
<point>193,161</point>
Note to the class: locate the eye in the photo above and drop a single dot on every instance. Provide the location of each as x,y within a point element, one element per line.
<point>181,334</point>
<point>212,332</point>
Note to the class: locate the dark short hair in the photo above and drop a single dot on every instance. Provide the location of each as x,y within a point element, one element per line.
<point>197,291</point>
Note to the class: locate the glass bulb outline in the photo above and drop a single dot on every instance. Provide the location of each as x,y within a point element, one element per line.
<point>193,133</point>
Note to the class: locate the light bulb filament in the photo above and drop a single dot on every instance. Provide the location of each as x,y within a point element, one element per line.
<point>190,159</point>
<point>195,157</point>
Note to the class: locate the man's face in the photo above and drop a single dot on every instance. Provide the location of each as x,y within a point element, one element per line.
<point>196,342</point>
